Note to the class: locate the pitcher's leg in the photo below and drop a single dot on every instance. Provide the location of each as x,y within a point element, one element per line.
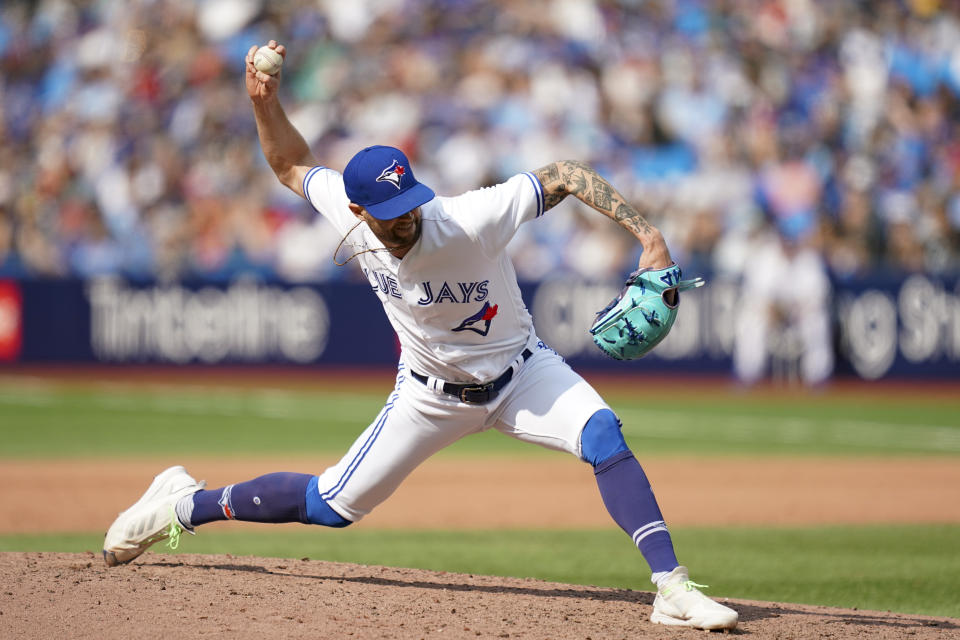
<point>274,497</point>
<point>626,492</point>
<point>410,428</point>
<point>553,406</point>
<point>547,406</point>
<point>413,425</point>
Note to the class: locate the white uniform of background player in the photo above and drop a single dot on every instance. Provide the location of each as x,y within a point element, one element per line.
<point>784,312</point>
<point>469,357</point>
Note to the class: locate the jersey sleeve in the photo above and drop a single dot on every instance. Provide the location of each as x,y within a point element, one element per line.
<point>493,214</point>
<point>324,191</point>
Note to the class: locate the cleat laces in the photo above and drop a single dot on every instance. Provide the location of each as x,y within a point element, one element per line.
<point>173,533</point>
<point>688,585</point>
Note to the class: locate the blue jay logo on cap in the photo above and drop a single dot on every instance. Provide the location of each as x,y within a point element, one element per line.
<point>386,193</point>
<point>393,174</point>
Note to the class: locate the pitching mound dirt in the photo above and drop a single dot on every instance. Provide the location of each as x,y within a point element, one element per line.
<point>57,595</point>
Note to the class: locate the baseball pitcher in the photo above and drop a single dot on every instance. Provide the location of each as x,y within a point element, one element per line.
<point>470,359</point>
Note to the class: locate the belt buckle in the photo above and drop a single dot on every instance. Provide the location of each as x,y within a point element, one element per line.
<point>480,388</point>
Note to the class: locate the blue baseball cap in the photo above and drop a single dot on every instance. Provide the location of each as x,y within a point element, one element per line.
<point>380,180</point>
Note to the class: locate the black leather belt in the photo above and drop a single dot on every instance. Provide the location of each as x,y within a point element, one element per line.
<point>477,393</point>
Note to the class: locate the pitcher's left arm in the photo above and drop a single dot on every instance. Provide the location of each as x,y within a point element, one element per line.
<point>572,177</point>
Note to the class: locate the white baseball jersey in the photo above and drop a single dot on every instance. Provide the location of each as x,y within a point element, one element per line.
<point>453,299</point>
<point>455,304</point>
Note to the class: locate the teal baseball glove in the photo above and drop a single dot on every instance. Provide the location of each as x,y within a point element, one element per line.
<point>642,314</point>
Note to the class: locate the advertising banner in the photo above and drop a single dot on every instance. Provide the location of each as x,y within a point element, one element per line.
<point>881,327</point>
<point>11,323</point>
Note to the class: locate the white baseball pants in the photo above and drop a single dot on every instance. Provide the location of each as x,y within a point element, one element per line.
<point>546,403</point>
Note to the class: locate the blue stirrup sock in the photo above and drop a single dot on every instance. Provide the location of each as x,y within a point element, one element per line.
<point>625,490</point>
<point>275,497</point>
<point>627,494</point>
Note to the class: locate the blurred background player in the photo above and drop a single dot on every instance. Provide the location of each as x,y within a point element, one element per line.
<point>784,319</point>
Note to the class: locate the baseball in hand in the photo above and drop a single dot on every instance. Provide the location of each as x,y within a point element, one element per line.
<point>267,60</point>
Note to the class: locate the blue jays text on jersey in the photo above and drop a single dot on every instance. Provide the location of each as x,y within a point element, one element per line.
<point>384,282</point>
<point>461,292</point>
<point>465,292</point>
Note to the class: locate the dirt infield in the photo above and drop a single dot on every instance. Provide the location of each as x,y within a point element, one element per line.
<point>187,596</point>
<point>454,493</point>
<point>75,596</point>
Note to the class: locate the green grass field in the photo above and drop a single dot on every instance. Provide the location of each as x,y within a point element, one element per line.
<point>47,419</point>
<point>911,569</point>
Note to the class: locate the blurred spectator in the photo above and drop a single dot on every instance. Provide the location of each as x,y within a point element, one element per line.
<point>126,144</point>
<point>783,324</point>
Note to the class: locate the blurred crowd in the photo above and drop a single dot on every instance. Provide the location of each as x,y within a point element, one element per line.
<point>127,142</point>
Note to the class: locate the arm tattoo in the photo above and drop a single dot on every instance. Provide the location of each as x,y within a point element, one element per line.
<point>550,200</point>
<point>572,177</point>
<point>576,181</point>
<point>602,194</point>
<point>549,177</point>
<point>548,174</point>
<point>576,164</point>
<point>630,218</point>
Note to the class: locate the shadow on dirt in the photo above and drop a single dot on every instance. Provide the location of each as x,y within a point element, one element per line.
<point>600,594</point>
<point>748,611</point>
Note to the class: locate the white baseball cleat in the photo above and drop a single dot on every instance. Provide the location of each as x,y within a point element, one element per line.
<point>151,518</point>
<point>680,603</point>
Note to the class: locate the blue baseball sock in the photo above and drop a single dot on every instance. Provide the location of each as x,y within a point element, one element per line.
<point>626,491</point>
<point>628,497</point>
<point>275,497</point>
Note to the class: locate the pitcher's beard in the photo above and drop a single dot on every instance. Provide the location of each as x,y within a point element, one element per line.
<point>396,241</point>
<point>396,244</point>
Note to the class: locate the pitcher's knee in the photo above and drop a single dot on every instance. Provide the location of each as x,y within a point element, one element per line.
<point>319,512</point>
<point>601,437</point>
